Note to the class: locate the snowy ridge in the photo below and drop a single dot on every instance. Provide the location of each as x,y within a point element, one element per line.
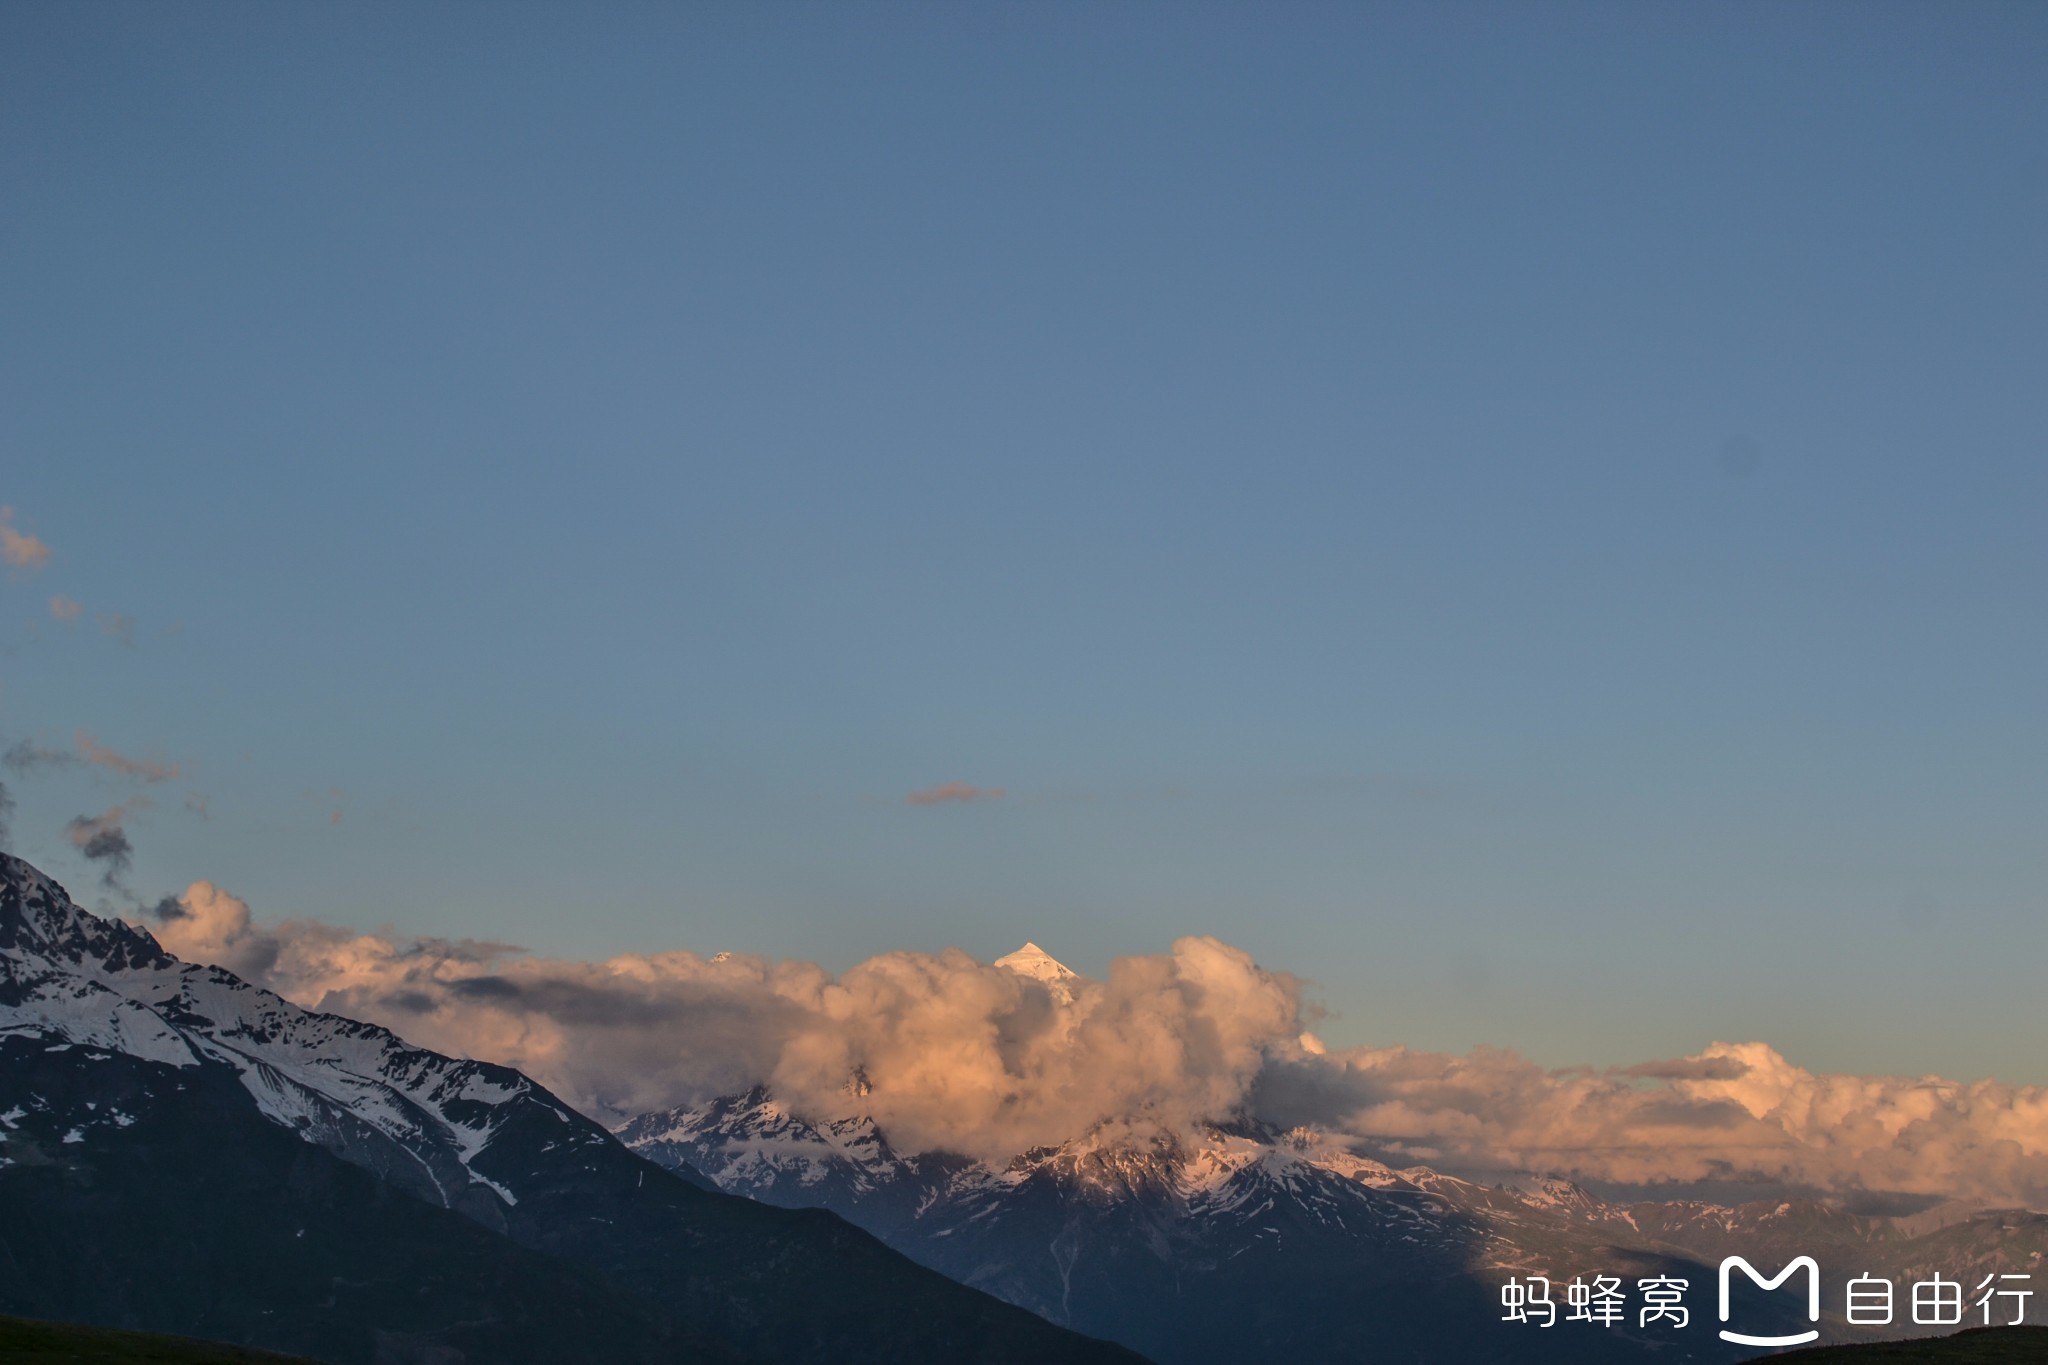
<point>1222,1181</point>
<point>1197,1199</point>
<point>420,1118</point>
<point>759,1145</point>
<point>751,1140</point>
<point>1036,963</point>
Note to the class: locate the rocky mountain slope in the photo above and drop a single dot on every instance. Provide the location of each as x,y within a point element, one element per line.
<point>184,1152</point>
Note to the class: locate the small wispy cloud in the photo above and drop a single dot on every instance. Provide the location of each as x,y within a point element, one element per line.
<point>953,791</point>
<point>143,769</point>
<point>18,549</point>
<point>64,608</point>
<point>117,627</point>
<point>27,756</point>
<point>103,839</point>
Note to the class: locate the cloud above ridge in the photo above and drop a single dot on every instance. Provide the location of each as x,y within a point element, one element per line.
<point>964,1056</point>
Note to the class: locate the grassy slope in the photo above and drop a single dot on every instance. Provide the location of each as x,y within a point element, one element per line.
<point>26,1342</point>
<point>1981,1346</point>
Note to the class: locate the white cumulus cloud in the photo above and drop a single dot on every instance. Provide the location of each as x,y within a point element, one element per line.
<point>965,1056</point>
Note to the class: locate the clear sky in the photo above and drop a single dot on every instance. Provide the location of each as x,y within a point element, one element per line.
<point>1533,517</point>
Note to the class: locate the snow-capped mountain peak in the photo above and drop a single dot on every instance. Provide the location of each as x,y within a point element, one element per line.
<point>1207,1219</point>
<point>169,1137</point>
<point>417,1118</point>
<point>37,918</point>
<point>1036,963</point>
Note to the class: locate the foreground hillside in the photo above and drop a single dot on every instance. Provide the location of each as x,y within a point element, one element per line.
<point>26,1342</point>
<point>1981,1346</point>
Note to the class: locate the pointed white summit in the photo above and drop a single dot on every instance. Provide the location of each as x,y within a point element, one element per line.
<point>1036,963</point>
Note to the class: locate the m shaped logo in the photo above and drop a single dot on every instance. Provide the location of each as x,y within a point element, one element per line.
<point>1805,1263</point>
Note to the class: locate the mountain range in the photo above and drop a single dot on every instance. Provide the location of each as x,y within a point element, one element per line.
<point>181,1151</point>
<point>1235,1240</point>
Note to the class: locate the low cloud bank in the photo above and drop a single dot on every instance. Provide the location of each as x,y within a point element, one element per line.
<point>968,1057</point>
<point>1735,1112</point>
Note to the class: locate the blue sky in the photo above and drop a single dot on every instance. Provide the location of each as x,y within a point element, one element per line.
<point>1530,517</point>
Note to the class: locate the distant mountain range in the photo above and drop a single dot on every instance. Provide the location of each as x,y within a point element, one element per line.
<point>1238,1241</point>
<point>183,1152</point>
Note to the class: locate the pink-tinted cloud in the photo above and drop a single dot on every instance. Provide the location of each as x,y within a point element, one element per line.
<point>19,550</point>
<point>64,608</point>
<point>143,769</point>
<point>1735,1111</point>
<point>970,1057</point>
<point>953,791</point>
